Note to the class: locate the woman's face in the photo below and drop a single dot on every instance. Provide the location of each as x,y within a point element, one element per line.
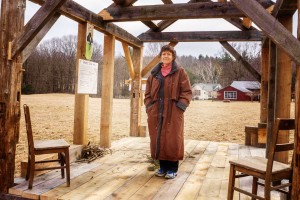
<point>166,57</point>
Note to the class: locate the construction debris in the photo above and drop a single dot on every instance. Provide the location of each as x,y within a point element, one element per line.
<point>91,152</point>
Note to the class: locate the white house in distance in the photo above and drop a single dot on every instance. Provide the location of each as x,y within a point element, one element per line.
<point>203,91</point>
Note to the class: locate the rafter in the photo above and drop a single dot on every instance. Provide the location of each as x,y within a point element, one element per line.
<point>175,11</point>
<point>203,36</point>
<point>129,60</point>
<point>127,3</point>
<point>271,27</point>
<point>35,25</point>
<point>235,21</point>
<point>80,14</point>
<point>34,43</point>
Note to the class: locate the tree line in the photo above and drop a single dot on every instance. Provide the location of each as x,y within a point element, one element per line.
<point>51,67</point>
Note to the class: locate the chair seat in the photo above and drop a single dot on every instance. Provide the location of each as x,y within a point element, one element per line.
<point>265,172</point>
<point>50,144</point>
<point>259,164</point>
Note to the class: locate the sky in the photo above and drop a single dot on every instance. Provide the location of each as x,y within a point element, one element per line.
<point>65,26</point>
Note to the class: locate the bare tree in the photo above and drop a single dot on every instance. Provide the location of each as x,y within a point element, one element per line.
<point>153,49</point>
<point>209,70</point>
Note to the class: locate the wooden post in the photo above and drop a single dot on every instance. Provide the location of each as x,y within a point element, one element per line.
<point>296,167</point>
<point>135,94</point>
<point>107,91</point>
<point>12,22</point>
<point>81,100</point>
<point>265,62</point>
<point>283,89</point>
<point>271,94</point>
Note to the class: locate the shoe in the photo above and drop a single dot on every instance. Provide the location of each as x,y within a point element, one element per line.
<point>160,172</point>
<point>170,175</point>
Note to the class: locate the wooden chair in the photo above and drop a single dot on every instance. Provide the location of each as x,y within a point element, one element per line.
<point>38,147</point>
<point>265,169</point>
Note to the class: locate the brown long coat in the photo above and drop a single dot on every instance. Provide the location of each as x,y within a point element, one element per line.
<point>165,117</point>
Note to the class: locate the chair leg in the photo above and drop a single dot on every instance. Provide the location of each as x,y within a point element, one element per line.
<point>28,168</point>
<point>289,195</point>
<point>62,163</point>
<point>267,190</point>
<point>67,162</point>
<point>254,187</point>
<point>31,173</point>
<point>231,182</point>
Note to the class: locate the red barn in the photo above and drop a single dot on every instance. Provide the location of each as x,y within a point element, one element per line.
<point>240,91</point>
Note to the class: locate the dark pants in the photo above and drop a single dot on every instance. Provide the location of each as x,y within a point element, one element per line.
<point>169,165</point>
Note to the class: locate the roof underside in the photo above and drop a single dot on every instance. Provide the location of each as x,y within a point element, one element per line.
<point>158,19</point>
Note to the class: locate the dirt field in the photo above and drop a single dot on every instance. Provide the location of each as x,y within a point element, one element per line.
<point>52,116</point>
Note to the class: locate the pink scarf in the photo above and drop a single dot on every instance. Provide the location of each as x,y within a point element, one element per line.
<point>165,69</point>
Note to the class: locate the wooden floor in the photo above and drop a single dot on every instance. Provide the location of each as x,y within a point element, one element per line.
<point>202,175</point>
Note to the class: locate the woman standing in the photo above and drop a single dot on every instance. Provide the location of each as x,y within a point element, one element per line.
<point>168,94</point>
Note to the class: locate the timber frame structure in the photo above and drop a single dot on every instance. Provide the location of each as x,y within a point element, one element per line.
<point>279,50</point>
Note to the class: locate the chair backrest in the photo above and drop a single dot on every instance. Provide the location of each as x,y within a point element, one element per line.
<point>279,125</point>
<point>28,129</point>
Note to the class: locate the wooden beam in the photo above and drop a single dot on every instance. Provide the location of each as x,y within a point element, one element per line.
<point>271,94</point>
<point>175,11</point>
<point>167,1</point>
<point>247,22</point>
<point>284,8</point>
<point>12,22</point>
<point>205,36</point>
<point>283,89</point>
<point>271,27</point>
<point>36,40</point>
<point>265,63</point>
<point>296,164</point>
<point>154,61</point>
<point>164,24</point>
<point>136,93</point>
<point>107,91</point>
<point>80,14</point>
<point>129,60</point>
<point>237,22</point>
<point>35,24</point>
<point>123,3</point>
<point>81,100</point>
<point>238,57</point>
<point>151,25</point>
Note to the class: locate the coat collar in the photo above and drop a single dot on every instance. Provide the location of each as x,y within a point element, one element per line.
<point>157,68</point>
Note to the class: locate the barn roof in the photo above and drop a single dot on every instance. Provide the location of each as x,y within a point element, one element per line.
<point>246,86</point>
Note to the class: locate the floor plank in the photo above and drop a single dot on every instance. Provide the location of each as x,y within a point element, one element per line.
<point>203,174</point>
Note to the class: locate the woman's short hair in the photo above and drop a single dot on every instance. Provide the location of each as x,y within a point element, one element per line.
<point>168,48</point>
